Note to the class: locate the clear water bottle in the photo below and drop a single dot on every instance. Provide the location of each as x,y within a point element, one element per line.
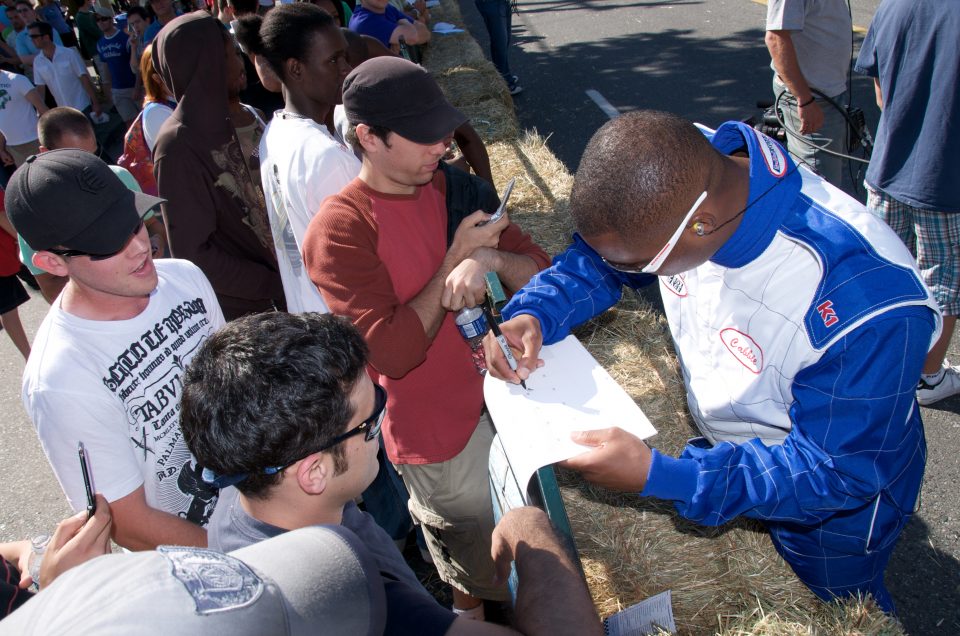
<point>473,326</point>
<point>38,547</point>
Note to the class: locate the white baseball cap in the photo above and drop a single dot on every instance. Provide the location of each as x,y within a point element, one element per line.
<point>314,580</point>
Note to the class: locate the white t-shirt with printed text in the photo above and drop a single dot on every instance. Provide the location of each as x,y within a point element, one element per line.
<point>116,386</point>
<point>18,117</point>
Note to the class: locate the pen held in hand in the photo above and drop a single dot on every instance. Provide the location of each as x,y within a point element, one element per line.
<point>502,341</point>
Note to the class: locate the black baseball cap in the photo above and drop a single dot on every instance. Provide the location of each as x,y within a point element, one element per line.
<point>70,198</point>
<point>399,95</point>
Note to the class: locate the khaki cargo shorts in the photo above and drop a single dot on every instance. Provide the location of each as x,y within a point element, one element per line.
<point>451,502</point>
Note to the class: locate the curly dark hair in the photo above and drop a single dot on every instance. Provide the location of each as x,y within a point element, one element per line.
<point>268,390</point>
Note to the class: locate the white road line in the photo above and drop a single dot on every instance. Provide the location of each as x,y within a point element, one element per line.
<point>608,109</point>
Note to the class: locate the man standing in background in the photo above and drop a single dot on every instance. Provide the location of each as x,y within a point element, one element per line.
<point>113,49</point>
<point>20,105</point>
<point>810,43</point>
<point>62,71</point>
<point>910,51</point>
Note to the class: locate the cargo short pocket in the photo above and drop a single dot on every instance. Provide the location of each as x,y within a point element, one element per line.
<point>460,552</point>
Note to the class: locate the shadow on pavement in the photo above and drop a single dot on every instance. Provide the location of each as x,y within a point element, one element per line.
<point>949,405</point>
<point>919,573</point>
<point>703,78</point>
<point>598,5</point>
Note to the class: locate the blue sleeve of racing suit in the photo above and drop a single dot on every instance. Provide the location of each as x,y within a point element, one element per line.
<point>574,289</point>
<point>856,430</point>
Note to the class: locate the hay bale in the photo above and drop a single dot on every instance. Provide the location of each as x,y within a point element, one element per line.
<point>464,86</point>
<point>540,198</point>
<point>445,52</point>
<point>726,580</point>
<point>489,118</point>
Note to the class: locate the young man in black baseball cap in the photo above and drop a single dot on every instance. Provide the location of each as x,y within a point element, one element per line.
<point>108,359</point>
<point>379,253</point>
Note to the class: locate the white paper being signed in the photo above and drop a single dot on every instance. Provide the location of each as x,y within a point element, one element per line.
<point>570,392</point>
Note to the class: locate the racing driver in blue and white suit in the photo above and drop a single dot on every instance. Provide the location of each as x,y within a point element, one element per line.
<point>800,323</point>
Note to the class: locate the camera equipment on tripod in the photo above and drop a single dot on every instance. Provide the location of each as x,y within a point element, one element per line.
<point>768,123</point>
<point>859,133</point>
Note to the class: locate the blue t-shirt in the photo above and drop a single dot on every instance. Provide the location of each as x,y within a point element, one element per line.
<point>912,49</point>
<point>153,29</point>
<point>52,14</point>
<point>115,53</point>
<point>378,25</point>
<point>25,44</point>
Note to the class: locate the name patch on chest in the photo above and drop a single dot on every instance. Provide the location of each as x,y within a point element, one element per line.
<point>772,155</point>
<point>744,349</point>
<point>675,284</point>
<point>827,314</point>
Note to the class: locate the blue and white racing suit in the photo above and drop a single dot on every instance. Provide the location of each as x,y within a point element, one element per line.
<point>801,341</point>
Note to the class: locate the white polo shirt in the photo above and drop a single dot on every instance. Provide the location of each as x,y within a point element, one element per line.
<point>62,76</point>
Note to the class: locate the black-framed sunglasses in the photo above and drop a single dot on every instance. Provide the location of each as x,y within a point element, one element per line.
<point>96,257</point>
<point>370,426</point>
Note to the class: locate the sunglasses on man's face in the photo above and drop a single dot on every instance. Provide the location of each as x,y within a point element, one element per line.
<point>371,425</point>
<point>96,257</point>
<point>665,251</point>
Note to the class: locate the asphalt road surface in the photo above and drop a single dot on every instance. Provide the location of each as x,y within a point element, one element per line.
<point>581,61</point>
<point>702,59</point>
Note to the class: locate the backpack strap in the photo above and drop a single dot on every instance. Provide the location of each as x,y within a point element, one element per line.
<point>466,194</point>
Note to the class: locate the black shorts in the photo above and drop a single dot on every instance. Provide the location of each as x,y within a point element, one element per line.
<point>12,293</point>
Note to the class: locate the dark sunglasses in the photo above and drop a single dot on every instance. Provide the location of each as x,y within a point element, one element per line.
<point>34,36</point>
<point>96,257</point>
<point>370,426</point>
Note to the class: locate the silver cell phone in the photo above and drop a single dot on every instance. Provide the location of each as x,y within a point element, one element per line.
<point>503,204</point>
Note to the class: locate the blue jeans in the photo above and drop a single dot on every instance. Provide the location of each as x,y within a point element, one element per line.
<point>498,19</point>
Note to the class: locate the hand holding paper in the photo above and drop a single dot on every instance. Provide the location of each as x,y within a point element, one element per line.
<point>570,392</point>
<point>619,461</point>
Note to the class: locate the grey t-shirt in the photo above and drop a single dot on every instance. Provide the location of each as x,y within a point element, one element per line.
<point>822,34</point>
<point>231,528</point>
<point>411,610</point>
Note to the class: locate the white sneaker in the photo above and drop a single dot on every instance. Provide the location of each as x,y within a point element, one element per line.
<point>948,385</point>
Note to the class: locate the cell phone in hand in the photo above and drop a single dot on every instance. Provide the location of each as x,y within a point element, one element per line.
<point>503,204</point>
<point>91,500</point>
